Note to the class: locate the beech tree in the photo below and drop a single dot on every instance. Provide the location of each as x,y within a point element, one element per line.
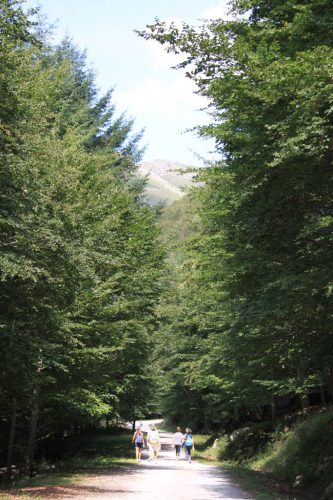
<point>262,259</point>
<point>80,261</point>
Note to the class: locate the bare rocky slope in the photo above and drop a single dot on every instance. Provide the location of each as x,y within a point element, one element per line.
<point>167,180</point>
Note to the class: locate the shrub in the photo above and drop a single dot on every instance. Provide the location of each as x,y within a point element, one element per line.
<point>306,455</point>
<point>244,443</point>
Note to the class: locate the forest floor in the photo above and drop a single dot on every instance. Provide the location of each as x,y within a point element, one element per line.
<point>166,479</point>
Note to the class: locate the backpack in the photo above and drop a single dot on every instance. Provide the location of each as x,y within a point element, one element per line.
<point>153,438</point>
<point>188,440</point>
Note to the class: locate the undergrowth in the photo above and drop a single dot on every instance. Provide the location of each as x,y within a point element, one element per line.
<point>304,457</point>
<point>297,462</point>
<point>99,452</point>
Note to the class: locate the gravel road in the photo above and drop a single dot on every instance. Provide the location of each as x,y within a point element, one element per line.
<point>165,479</point>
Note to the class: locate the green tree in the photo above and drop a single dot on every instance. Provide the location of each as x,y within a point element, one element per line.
<point>80,261</point>
<point>266,207</point>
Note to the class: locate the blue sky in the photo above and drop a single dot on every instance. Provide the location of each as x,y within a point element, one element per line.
<point>160,99</point>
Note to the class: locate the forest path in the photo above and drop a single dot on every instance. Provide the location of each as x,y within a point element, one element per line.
<point>166,479</point>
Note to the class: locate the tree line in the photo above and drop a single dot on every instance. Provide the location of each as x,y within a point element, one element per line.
<point>80,262</point>
<point>243,329</point>
<point>247,327</point>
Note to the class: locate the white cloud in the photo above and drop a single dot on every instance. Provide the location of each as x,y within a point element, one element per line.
<point>166,111</point>
<point>220,10</point>
<point>153,95</point>
<point>157,58</point>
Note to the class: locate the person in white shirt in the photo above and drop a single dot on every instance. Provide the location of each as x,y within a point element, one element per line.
<point>178,439</point>
<point>153,441</point>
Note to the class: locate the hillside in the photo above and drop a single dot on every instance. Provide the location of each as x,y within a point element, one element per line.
<point>178,222</point>
<point>167,180</point>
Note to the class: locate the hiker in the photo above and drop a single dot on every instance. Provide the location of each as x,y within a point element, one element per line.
<point>178,438</point>
<point>139,443</point>
<point>188,443</point>
<point>154,443</point>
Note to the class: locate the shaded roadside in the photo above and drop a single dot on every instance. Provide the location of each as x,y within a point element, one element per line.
<point>164,480</point>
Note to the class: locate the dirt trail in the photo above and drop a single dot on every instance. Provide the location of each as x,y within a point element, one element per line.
<point>165,479</point>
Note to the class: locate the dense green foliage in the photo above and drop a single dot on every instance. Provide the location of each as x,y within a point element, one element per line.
<point>79,257</point>
<point>305,452</point>
<point>250,337</point>
<point>243,334</point>
<point>298,457</point>
<point>179,223</point>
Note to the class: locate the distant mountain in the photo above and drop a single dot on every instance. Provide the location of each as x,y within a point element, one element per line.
<point>167,180</point>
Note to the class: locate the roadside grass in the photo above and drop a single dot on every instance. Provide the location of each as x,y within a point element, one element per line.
<point>303,457</point>
<point>259,486</point>
<point>203,450</point>
<point>21,497</point>
<point>99,452</point>
<point>107,444</point>
<point>296,463</point>
<point>40,481</point>
<point>166,426</point>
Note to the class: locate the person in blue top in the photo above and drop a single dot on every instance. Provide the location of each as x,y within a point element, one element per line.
<point>188,443</point>
<point>139,443</point>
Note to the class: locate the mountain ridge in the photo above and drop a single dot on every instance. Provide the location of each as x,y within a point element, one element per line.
<point>166,180</point>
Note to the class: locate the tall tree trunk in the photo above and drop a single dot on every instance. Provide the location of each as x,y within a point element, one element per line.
<point>304,401</point>
<point>206,420</point>
<point>236,414</point>
<point>330,383</point>
<point>33,430</point>
<point>322,395</point>
<point>273,409</point>
<point>303,396</point>
<point>10,451</point>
